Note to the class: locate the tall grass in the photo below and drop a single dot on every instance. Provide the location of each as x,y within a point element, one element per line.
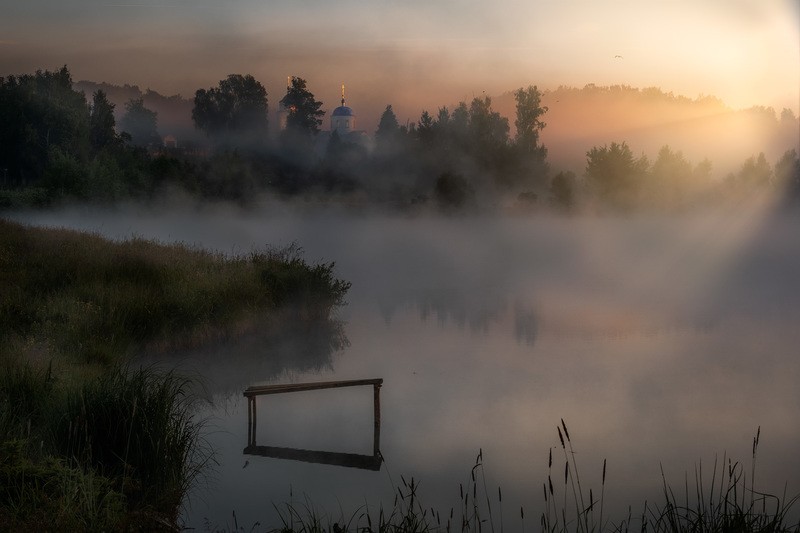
<point>118,450</point>
<point>728,502</point>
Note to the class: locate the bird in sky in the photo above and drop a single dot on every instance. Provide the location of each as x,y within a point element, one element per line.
<point>618,57</point>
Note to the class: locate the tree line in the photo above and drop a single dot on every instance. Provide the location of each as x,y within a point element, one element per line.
<point>55,144</point>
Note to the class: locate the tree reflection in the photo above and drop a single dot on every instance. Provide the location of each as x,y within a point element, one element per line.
<point>277,346</point>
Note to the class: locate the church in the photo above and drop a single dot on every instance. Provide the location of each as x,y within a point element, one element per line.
<point>343,120</point>
<point>343,124</point>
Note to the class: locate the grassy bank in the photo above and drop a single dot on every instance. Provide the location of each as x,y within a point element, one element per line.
<point>79,298</point>
<point>86,443</point>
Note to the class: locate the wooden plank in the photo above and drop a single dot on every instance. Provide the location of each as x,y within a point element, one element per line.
<point>296,387</point>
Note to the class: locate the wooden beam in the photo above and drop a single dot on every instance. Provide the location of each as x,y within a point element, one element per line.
<point>350,460</point>
<point>297,387</point>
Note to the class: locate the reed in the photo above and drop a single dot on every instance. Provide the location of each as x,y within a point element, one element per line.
<point>729,502</point>
<point>117,450</point>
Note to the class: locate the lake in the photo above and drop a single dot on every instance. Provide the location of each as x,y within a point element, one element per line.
<point>661,341</point>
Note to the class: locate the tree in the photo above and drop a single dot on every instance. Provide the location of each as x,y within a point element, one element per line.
<point>140,123</point>
<point>528,122</point>
<point>529,153</point>
<point>671,178</point>
<point>101,122</point>
<point>787,174</point>
<point>453,192</point>
<point>424,130</point>
<point>487,128</point>
<point>755,172</point>
<point>459,125</point>
<point>237,109</point>
<point>615,174</point>
<point>787,115</point>
<point>304,115</point>
<point>562,190</point>
<point>40,114</point>
<point>388,132</point>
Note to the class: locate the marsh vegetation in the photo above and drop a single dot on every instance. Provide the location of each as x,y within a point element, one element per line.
<point>89,439</point>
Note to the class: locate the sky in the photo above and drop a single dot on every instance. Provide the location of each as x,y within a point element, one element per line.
<point>416,54</point>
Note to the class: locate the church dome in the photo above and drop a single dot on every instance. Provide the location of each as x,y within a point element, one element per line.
<point>343,120</point>
<point>342,111</point>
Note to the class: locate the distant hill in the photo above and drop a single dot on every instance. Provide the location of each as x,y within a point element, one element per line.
<point>647,119</point>
<point>174,112</point>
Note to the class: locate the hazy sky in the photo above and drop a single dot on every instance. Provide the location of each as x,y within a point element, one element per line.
<point>416,54</point>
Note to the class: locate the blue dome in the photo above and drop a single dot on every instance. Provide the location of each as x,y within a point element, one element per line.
<point>342,111</point>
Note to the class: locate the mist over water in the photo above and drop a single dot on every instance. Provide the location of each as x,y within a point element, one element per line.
<point>658,339</point>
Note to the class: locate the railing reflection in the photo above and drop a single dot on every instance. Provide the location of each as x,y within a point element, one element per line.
<point>352,460</point>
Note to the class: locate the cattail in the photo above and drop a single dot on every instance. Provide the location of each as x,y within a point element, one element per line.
<point>544,488</point>
<point>755,441</point>
<point>561,438</point>
<point>565,428</point>
<point>461,490</point>
<point>499,494</point>
<point>550,482</point>
<point>566,471</point>
<point>604,472</point>
<point>522,513</point>
<point>550,461</point>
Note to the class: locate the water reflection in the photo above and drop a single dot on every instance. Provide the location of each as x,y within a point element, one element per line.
<point>466,308</point>
<point>352,460</point>
<point>282,346</point>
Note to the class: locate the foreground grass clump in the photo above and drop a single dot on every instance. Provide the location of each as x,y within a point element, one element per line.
<point>118,451</point>
<point>79,297</point>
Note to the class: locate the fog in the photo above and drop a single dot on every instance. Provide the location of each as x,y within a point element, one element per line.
<point>658,339</point>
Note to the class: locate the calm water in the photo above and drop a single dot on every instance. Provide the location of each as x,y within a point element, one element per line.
<point>658,340</point>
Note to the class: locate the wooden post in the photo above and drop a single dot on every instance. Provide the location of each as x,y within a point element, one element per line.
<point>250,421</point>
<point>376,444</point>
<point>255,419</point>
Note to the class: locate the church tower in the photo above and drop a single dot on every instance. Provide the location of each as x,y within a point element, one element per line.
<point>343,120</point>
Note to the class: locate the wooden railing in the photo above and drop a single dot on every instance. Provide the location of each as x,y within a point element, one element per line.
<point>371,462</point>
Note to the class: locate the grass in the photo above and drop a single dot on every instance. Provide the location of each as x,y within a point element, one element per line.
<point>86,442</point>
<point>728,502</point>
<point>80,298</point>
<point>134,426</point>
<point>118,450</point>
